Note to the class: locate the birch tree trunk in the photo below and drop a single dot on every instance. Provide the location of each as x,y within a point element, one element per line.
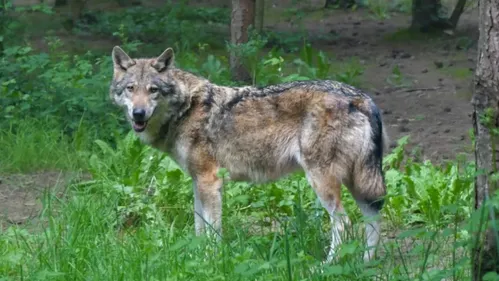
<point>485,98</point>
<point>243,15</point>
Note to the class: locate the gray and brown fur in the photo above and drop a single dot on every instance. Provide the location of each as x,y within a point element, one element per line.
<point>328,129</point>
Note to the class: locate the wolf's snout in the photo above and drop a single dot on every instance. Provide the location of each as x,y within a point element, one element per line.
<point>139,115</point>
<point>139,119</point>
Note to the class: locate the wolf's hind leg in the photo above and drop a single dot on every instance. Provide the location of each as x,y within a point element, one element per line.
<point>328,189</point>
<point>369,191</point>
<point>371,212</point>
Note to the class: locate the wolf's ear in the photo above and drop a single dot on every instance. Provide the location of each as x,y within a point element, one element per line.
<point>164,61</point>
<point>121,59</point>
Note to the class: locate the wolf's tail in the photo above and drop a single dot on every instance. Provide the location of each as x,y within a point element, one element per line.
<point>380,136</point>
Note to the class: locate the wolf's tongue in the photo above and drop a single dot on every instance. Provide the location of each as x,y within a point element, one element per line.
<point>139,126</point>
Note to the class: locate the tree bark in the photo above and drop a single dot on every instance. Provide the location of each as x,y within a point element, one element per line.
<point>243,16</point>
<point>426,16</point>
<point>486,97</point>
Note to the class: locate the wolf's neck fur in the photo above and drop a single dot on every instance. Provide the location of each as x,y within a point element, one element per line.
<point>197,86</point>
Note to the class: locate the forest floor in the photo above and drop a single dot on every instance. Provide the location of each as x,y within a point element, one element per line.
<point>429,99</point>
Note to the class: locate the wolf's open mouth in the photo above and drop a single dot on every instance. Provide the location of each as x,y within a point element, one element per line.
<point>139,126</point>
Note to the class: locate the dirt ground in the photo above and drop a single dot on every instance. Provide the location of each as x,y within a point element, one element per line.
<point>432,105</point>
<point>21,195</point>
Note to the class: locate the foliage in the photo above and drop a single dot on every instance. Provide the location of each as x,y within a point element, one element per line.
<point>133,220</point>
<point>69,89</point>
<point>311,64</point>
<point>136,173</point>
<point>34,144</point>
<point>177,23</point>
<point>397,78</point>
<point>288,42</point>
<point>433,196</point>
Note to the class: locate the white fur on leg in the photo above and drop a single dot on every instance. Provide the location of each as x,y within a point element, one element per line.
<point>213,225</point>
<point>339,218</point>
<point>372,233</point>
<point>335,241</point>
<point>339,221</point>
<point>371,217</point>
<point>208,212</point>
<point>199,221</point>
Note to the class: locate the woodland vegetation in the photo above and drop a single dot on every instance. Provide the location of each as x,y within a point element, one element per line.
<point>82,199</point>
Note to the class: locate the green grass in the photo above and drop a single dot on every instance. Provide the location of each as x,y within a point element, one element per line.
<point>81,242</point>
<point>133,220</point>
<point>34,144</point>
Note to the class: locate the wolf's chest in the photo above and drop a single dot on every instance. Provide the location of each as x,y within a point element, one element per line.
<point>181,153</point>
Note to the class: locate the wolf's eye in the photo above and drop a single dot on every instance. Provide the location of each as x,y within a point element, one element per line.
<point>129,88</point>
<point>153,90</point>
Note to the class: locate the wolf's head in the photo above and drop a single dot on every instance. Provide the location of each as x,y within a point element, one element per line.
<point>147,89</point>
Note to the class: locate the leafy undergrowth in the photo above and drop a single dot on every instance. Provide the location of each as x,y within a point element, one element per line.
<point>134,221</point>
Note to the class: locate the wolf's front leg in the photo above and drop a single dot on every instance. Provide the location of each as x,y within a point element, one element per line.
<point>199,222</point>
<point>208,204</point>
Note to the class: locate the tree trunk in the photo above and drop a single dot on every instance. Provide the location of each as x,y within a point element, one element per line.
<point>456,14</point>
<point>426,16</point>
<point>485,98</point>
<point>243,15</point>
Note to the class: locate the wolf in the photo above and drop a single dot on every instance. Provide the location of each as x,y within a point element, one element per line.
<point>331,131</point>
